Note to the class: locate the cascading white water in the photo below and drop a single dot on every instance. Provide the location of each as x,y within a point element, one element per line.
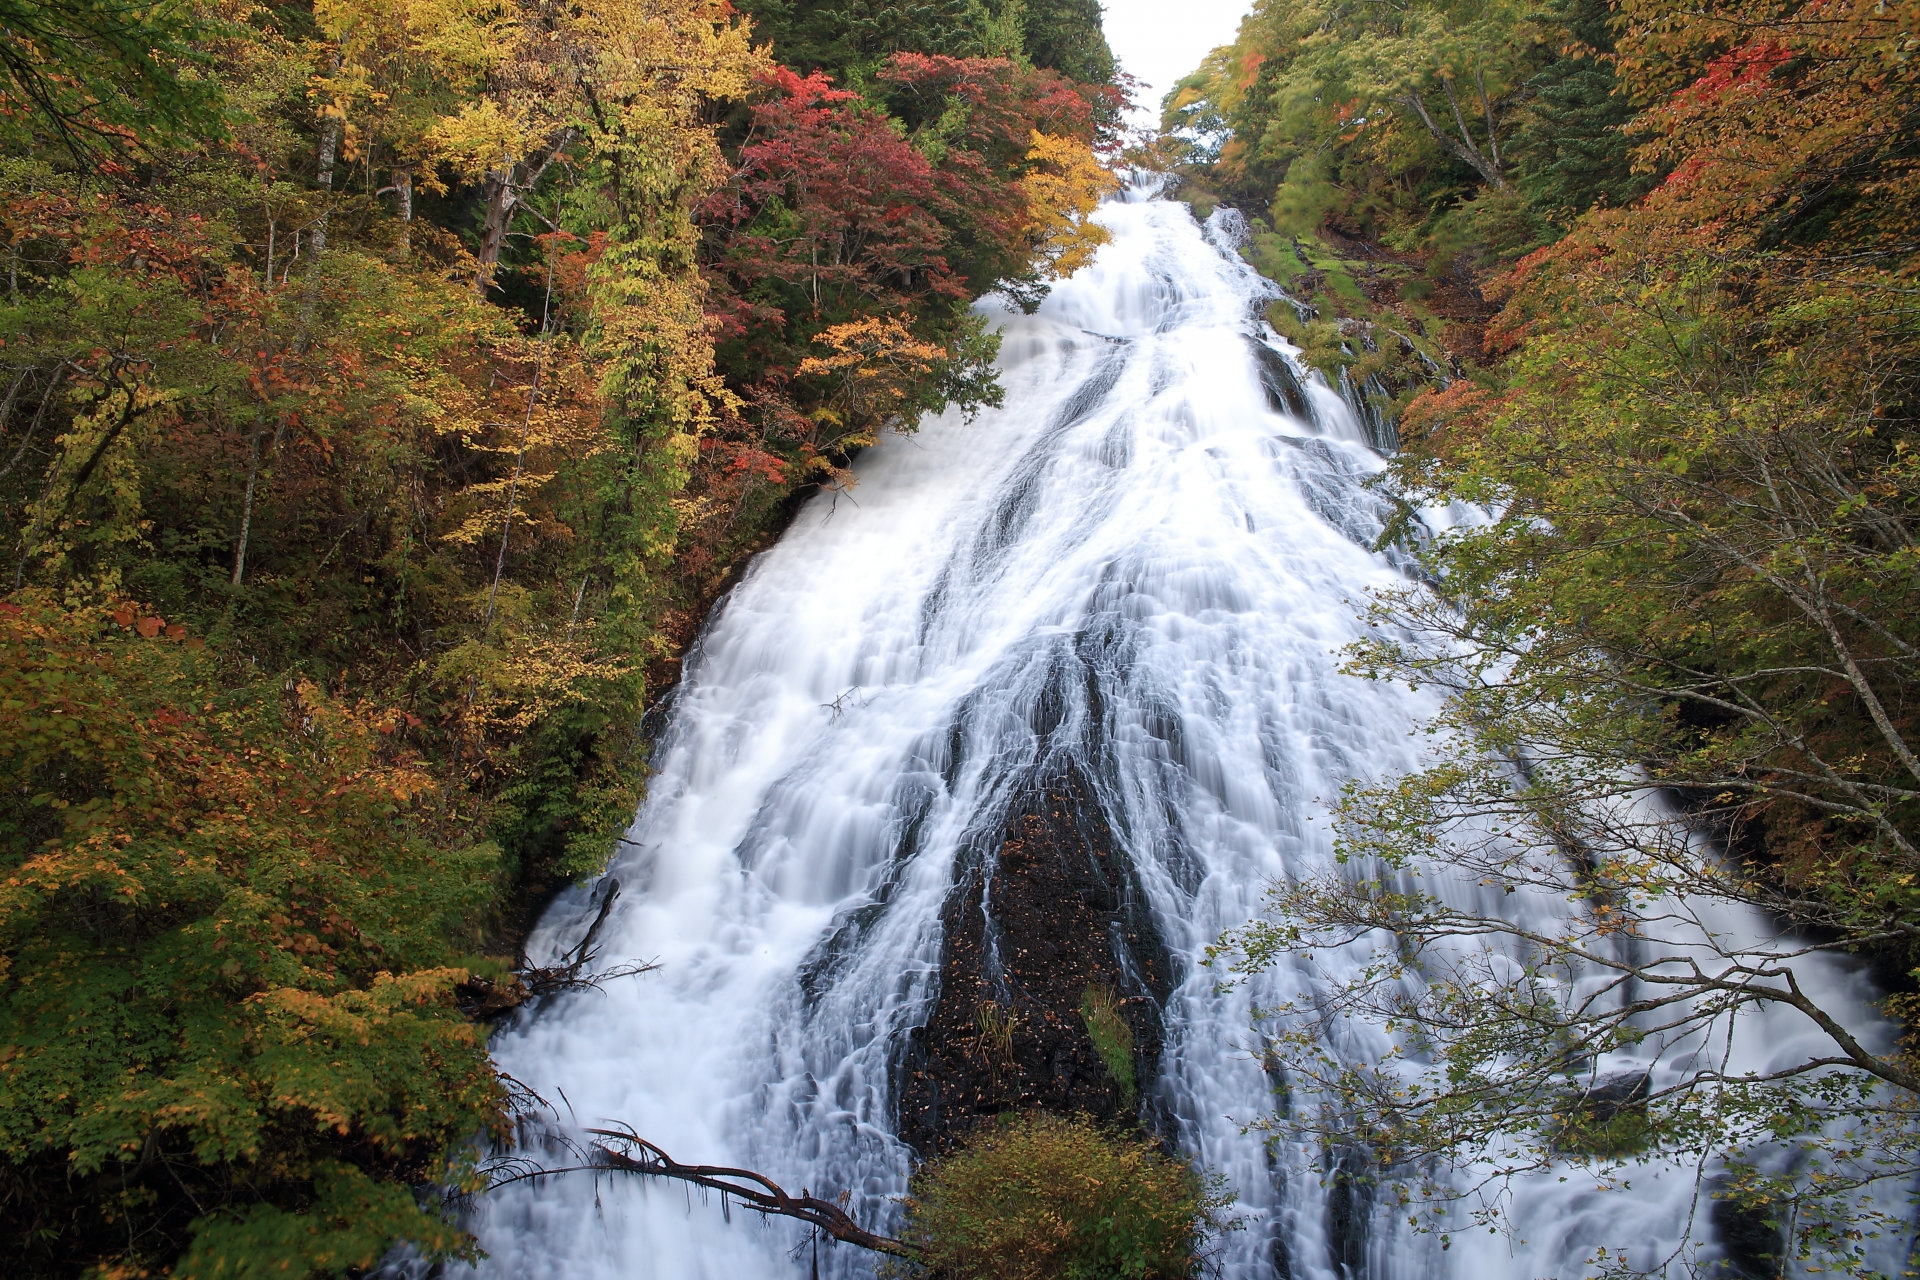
<point>1144,565</point>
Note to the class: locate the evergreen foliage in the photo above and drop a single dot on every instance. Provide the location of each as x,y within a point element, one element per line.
<point>1571,144</point>
<point>1066,36</point>
<point>850,39</point>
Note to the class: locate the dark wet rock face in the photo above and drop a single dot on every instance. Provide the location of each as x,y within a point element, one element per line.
<point>1051,911</point>
<point>1753,1242</point>
<point>1350,1187</point>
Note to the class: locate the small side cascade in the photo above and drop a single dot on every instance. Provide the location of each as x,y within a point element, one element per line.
<point>1371,403</point>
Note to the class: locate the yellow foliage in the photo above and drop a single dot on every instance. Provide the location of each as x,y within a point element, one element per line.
<point>879,372</point>
<point>627,77</point>
<point>383,50</point>
<point>480,136</point>
<point>1063,189</point>
<point>526,675</point>
<point>879,364</point>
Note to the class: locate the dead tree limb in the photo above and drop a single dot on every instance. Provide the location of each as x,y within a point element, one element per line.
<point>630,1153</point>
<point>484,999</point>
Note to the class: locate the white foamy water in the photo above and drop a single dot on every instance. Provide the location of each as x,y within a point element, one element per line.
<point>1143,565</point>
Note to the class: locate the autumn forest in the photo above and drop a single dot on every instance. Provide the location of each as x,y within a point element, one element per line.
<point>388,390</point>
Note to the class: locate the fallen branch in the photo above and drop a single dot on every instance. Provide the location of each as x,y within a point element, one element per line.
<point>634,1154</point>
<point>646,1158</point>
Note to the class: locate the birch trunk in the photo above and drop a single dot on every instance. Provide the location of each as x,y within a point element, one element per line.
<point>323,178</point>
<point>246,506</point>
<point>403,201</point>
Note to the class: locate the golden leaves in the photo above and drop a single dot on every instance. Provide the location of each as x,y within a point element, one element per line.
<point>528,675</point>
<point>483,135</point>
<point>1062,190</point>
<point>877,362</point>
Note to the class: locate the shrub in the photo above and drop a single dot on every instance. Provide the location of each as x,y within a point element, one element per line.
<point>1042,1197</point>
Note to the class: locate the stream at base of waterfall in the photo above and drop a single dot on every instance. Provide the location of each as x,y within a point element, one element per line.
<point>1132,582</point>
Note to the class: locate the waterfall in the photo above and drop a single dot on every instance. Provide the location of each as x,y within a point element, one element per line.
<point>1141,570</point>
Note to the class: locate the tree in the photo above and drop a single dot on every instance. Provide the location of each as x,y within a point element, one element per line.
<point>229,965</point>
<point>847,41</point>
<point>843,216</point>
<point>1419,126</point>
<point>1431,76</point>
<point>1680,623</point>
<point>103,72</point>
<point>423,415</point>
<point>850,40</point>
<point>1571,147</point>
<point>1065,36</point>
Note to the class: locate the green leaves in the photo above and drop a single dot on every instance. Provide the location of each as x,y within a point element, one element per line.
<point>351,1221</point>
<point>1451,129</point>
<point>100,74</point>
<point>409,552</point>
<point>1676,640</point>
<point>1669,646</point>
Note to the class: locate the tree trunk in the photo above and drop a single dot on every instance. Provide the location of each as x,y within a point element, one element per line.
<point>330,127</point>
<point>503,189</point>
<point>502,195</point>
<point>246,506</point>
<point>323,178</point>
<point>403,200</point>
<point>1462,147</point>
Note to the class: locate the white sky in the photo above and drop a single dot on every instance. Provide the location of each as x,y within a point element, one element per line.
<point>1162,40</point>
